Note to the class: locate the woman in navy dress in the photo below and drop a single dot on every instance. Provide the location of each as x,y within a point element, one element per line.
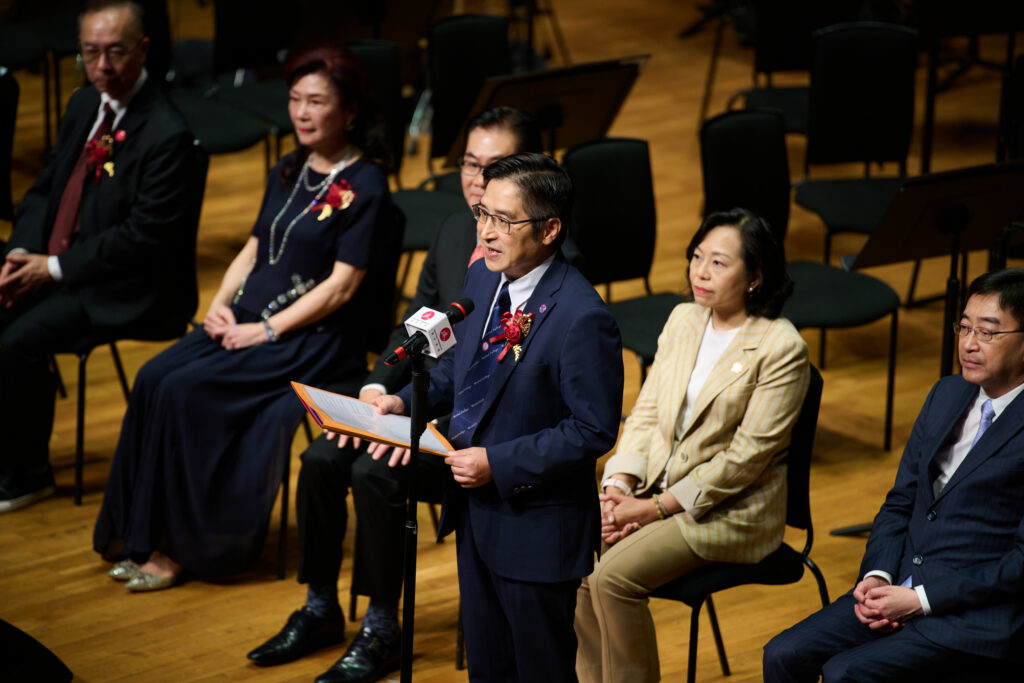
<point>210,419</point>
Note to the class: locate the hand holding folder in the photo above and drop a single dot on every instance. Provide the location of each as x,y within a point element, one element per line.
<point>350,416</point>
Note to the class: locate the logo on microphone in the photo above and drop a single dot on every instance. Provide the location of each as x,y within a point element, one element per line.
<point>428,315</point>
<point>446,334</point>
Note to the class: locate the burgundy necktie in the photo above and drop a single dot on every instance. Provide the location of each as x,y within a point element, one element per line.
<point>66,223</point>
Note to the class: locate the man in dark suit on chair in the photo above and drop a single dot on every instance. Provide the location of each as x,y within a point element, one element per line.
<point>378,491</point>
<point>535,390</point>
<point>101,243</point>
<point>942,578</point>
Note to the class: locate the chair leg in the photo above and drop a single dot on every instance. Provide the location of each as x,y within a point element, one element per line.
<point>61,389</point>
<point>433,519</point>
<point>120,370</point>
<point>820,578</point>
<point>407,255</point>
<point>913,282</point>
<point>352,606</point>
<point>890,380</point>
<point>691,667</point>
<point>821,348</point>
<point>713,617</point>
<point>80,428</point>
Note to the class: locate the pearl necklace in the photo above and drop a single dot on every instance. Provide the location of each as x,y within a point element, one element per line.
<point>320,189</point>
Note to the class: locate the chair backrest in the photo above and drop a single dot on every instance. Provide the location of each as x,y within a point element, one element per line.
<point>783,28</point>
<point>613,218</point>
<point>798,458</point>
<point>383,68</point>
<point>462,51</point>
<point>1011,120</point>
<point>745,165</point>
<point>195,205</point>
<point>252,35</point>
<point>861,101</point>
<point>8,114</point>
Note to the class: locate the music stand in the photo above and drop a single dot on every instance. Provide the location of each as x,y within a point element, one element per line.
<point>578,103</point>
<point>947,213</point>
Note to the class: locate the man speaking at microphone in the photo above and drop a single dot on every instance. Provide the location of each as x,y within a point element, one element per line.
<point>379,491</point>
<point>535,390</point>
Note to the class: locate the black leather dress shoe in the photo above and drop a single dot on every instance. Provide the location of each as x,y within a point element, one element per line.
<point>304,633</point>
<point>367,659</point>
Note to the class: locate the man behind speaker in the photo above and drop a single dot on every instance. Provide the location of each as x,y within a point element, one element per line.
<point>101,243</point>
<point>942,577</point>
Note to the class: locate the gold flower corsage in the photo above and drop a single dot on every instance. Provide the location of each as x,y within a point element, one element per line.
<point>100,152</point>
<point>514,329</point>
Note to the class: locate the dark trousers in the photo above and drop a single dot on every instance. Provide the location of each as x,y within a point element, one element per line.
<point>50,322</point>
<point>378,493</point>
<point>833,643</point>
<point>515,630</point>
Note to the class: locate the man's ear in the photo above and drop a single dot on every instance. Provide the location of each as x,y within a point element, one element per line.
<point>549,232</point>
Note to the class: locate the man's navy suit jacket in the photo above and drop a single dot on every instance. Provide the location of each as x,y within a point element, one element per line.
<point>546,420</point>
<point>132,263</point>
<point>965,546</point>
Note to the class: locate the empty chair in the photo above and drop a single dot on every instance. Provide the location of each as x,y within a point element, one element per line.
<point>616,238</point>
<point>861,110</point>
<point>744,162</point>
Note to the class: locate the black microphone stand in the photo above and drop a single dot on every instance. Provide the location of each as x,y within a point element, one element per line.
<point>418,422</point>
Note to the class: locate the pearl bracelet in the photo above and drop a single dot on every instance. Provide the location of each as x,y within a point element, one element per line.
<point>271,333</point>
<point>617,483</point>
<point>660,507</point>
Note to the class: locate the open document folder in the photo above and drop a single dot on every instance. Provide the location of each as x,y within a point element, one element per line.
<point>347,415</point>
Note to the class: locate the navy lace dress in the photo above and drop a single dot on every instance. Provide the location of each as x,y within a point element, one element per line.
<point>202,446</point>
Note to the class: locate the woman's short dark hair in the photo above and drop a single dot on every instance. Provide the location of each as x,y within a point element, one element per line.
<point>762,253</point>
<point>544,187</point>
<point>343,69</point>
<point>1008,284</point>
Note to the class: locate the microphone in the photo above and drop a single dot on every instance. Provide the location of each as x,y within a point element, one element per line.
<point>430,331</point>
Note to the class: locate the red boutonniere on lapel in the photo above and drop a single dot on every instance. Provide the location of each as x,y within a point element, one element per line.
<point>514,329</point>
<point>100,152</point>
<point>340,196</point>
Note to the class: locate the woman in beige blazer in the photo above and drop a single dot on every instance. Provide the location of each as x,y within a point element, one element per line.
<point>698,475</point>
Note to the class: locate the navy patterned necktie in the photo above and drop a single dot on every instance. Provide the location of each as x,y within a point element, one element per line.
<point>469,401</point>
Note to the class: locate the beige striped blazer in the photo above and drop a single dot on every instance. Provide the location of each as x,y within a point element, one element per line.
<point>724,466</point>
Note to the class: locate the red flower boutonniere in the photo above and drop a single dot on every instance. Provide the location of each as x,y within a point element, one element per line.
<point>514,329</point>
<point>340,196</point>
<point>100,152</point>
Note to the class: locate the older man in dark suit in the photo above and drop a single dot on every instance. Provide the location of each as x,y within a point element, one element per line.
<point>943,575</point>
<point>102,242</point>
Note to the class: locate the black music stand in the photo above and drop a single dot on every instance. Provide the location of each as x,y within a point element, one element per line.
<point>938,214</point>
<point>572,104</point>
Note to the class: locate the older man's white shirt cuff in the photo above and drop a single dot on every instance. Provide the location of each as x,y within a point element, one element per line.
<point>53,265</point>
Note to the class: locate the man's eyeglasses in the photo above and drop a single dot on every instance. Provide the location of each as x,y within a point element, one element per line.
<point>470,168</point>
<point>981,334</point>
<point>500,223</point>
<point>116,54</point>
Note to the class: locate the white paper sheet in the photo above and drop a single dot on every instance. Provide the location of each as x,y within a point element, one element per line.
<point>362,415</point>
